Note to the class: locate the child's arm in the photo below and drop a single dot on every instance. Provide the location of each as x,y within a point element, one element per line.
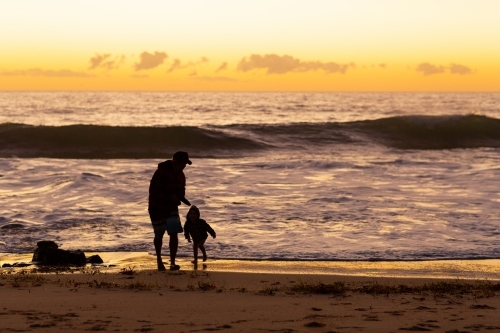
<point>210,230</point>
<point>186,232</point>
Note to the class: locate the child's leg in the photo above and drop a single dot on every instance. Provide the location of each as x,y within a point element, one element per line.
<point>195,251</point>
<point>202,248</point>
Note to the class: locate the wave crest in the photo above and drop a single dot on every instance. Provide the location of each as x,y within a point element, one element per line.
<point>92,141</point>
<point>438,132</point>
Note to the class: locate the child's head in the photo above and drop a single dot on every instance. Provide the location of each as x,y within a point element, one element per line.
<point>193,214</point>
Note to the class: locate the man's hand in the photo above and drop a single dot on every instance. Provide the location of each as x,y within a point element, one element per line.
<point>189,240</point>
<point>214,236</point>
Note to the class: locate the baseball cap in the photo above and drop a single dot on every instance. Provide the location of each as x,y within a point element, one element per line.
<point>182,156</point>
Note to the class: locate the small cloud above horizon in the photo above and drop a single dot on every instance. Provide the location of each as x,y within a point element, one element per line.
<point>275,64</point>
<point>222,67</point>
<point>104,61</point>
<point>45,73</point>
<point>460,69</point>
<point>430,69</point>
<point>150,60</point>
<point>177,64</point>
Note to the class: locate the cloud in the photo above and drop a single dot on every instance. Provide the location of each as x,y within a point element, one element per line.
<point>97,60</point>
<point>216,78</point>
<point>276,64</point>
<point>177,64</point>
<point>430,69</point>
<point>460,69</point>
<point>382,65</point>
<point>149,60</point>
<point>45,73</point>
<point>104,61</point>
<point>222,67</point>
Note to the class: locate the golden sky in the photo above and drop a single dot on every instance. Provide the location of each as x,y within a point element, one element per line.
<point>271,45</point>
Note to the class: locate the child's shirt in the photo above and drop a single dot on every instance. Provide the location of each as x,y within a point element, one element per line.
<point>198,230</point>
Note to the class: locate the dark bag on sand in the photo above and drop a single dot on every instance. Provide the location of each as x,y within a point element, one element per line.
<point>48,253</point>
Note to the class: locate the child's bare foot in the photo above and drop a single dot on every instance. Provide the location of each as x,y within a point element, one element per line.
<point>204,257</point>
<point>194,262</point>
<point>161,267</point>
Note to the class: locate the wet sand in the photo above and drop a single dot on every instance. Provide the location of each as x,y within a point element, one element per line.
<point>442,269</point>
<point>243,296</point>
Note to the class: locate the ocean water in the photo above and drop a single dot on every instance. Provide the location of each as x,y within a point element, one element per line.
<point>314,176</point>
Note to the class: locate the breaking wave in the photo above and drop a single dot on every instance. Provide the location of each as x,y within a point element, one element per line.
<point>105,142</point>
<point>434,132</point>
<point>92,141</point>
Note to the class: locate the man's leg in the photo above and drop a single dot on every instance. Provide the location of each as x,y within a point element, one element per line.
<point>173,244</point>
<point>158,242</point>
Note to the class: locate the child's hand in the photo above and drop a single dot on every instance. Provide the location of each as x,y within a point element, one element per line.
<point>189,240</point>
<point>214,236</point>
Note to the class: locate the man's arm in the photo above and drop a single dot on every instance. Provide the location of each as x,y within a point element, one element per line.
<point>186,201</point>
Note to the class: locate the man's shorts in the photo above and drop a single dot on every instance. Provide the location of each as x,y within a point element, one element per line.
<point>171,224</point>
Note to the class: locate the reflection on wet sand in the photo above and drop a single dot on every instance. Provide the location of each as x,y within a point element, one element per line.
<point>452,269</point>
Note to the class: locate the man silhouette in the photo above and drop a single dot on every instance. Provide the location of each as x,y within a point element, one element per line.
<point>166,192</point>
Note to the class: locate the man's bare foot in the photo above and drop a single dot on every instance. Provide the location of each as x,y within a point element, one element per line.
<point>194,261</point>
<point>161,267</point>
<point>204,257</point>
<point>175,267</point>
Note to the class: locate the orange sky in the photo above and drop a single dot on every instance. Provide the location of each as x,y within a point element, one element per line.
<point>273,45</point>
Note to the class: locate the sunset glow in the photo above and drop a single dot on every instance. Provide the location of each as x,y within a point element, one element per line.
<point>221,45</point>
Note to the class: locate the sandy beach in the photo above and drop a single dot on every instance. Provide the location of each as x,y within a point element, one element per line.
<point>126,298</point>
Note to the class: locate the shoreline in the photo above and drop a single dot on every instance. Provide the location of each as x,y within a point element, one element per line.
<point>195,301</point>
<point>114,262</point>
<point>248,296</point>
